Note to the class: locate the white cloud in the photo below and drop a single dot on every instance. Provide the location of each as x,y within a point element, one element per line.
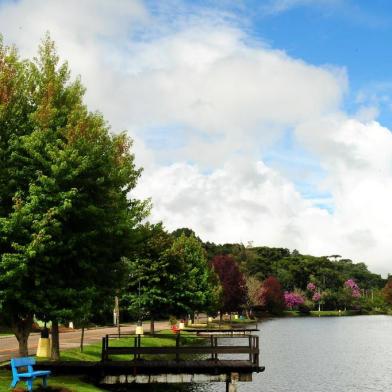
<point>241,201</point>
<point>214,101</point>
<point>278,6</point>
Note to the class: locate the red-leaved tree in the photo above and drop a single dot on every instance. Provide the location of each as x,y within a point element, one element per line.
<point>232,282</point>
<point>387,291</point>
<point>271,295</point>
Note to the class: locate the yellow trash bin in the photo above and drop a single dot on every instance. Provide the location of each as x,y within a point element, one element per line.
<point>43,349</point>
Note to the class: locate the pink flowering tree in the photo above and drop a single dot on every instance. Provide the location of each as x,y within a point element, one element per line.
<point>293,299</point>
<point>352,286</point>
<point>311,287</point>
<point>314,294</point>
<point>352,292</point>
<point>316,297</point>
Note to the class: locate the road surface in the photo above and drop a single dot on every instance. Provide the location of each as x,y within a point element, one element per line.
<point>9,345</point>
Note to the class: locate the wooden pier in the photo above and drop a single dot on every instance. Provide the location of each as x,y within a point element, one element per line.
<point>219,357</point>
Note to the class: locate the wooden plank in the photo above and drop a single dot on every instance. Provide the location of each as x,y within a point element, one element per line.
<point>146,367</point>
<point>183,350</point>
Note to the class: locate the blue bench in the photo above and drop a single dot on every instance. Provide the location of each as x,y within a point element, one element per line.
<point>28,375</point>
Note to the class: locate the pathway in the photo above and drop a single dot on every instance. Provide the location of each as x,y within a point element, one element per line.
<point>9,345</point>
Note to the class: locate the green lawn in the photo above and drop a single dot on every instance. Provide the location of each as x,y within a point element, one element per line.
<point>322,313</point>
<point>245,321</point>
<point>74,384</point>
<point>92,352</point>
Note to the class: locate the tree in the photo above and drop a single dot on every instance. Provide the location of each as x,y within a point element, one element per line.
<point>67,218</point>
<point>149,271</point>
<point>193,284</point>
<point>271,295</point>
<point>293,299</point>
<point>387,291</point>
<point>351,292</point>
<point>184,231</point>
<point>232,282</point>
<point>253,286</point>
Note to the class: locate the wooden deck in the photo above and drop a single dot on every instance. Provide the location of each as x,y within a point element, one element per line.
<point>150,367</point>
<point>213,358</point>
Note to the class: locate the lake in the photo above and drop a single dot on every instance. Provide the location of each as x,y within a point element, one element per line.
<point>330,354</point>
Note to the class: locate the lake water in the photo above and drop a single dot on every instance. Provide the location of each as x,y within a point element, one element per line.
<point>330,354</point>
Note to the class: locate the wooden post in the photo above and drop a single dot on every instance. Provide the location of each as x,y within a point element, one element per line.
<point>107,347</point>
<point>103,349</point>
<point>216,345</point>
<point>232,382</point>
<point>139,341</point>
<point>134,345</point>
<point>250,347</point>
<point>177,346</point>
<point>82,339</point>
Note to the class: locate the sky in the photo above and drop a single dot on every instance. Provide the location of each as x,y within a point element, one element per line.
<point>263,122</point>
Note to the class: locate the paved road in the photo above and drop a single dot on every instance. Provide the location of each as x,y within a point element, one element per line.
<point>9,345</point>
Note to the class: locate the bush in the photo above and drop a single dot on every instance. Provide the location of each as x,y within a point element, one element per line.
<point>304,308</point>
<point>173,320</point>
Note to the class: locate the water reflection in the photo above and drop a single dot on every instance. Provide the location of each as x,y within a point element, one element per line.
<point>340,354</point>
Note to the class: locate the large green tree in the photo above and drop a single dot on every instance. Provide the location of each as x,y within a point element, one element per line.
<point>66,214</point>
<point>194,285</point>
<point>147,291</point>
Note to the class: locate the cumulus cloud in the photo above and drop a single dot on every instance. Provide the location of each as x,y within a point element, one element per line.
<point>205,102</point>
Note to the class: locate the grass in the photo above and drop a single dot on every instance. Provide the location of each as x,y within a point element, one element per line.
<point>4,331</point>
<point>74,383</point>
<point>243,321</point>
<point>92,352</point>
<point>322,313</point>
<point>225,324</point>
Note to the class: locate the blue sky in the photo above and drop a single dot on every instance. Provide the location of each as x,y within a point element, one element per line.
<point>265,121</point>
<point>352,34</point>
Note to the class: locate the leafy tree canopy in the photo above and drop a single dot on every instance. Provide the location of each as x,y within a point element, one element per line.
<point>66,215</point>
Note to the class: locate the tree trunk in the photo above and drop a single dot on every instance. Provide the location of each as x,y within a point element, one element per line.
<point>82,339</point>
<point>22,328</point>
<point>117,308</point>
<point>152,325</point>
<point>55,341</point>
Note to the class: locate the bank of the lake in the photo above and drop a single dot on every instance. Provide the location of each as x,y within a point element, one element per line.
<point>331,313</point>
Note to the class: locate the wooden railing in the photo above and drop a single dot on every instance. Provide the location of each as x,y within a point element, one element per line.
<point>210,346</point>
